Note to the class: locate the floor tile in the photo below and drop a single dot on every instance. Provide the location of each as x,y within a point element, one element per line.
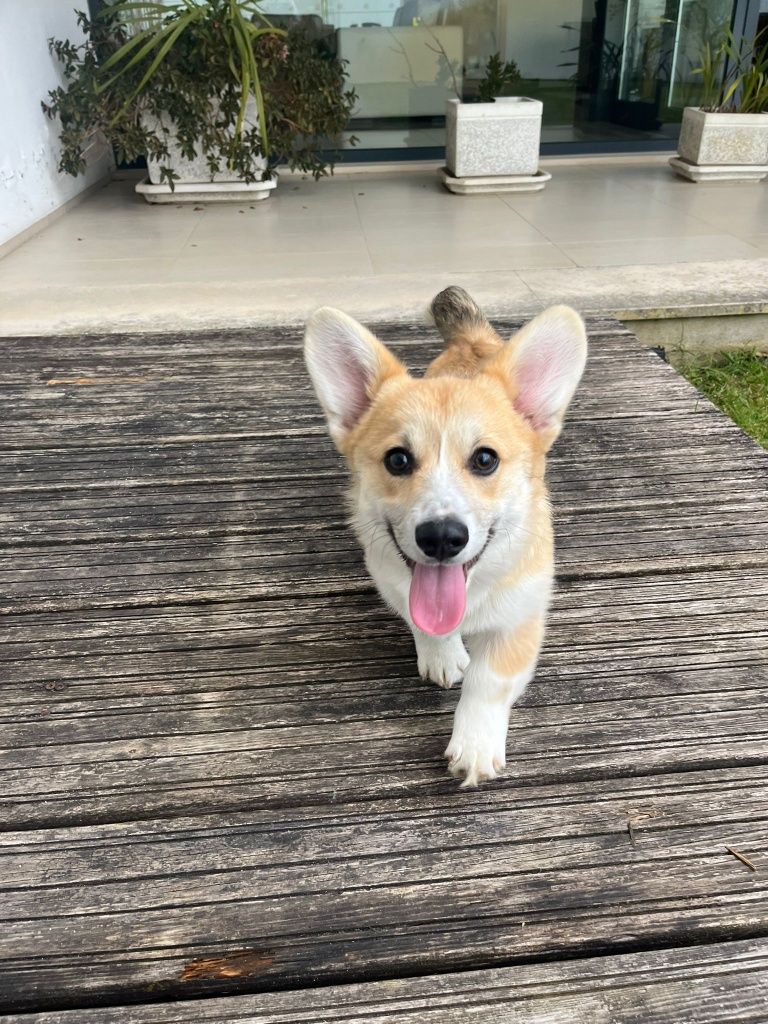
<point>103,239</point>
<point>262,243</point>
<point>268,267</point>
<point>91,273</point>
<point>386,242</point>
<point>601,226</point>
<point>759,241</point>
<point>465,258</point>
<point>502,227</point>
<point>255,225</point>
<point>659,250</point>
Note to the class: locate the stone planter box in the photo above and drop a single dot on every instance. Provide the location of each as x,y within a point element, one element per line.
<point>728,147</point>
<point>220,187</point>
<point>493,141</point>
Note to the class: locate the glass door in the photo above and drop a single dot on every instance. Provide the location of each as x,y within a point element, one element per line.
<point>637,68</point>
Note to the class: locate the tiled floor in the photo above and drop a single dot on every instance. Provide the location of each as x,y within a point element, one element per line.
<point>383,236</point>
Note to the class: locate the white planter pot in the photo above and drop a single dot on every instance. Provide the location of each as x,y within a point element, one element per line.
<point>493,139</point>
<point>190,172</point>
<point>727,147</point>
<point>206,191</point>
<point>723,138</point>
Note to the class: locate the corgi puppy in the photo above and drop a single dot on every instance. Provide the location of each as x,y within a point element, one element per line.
<point>448,495</point>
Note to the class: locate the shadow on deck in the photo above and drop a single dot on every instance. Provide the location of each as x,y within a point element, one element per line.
<point>222,777</point>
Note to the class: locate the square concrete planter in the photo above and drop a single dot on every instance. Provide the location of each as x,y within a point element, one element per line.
<point>220,187</point>
<point>727,147</point>
<point>493,141</point>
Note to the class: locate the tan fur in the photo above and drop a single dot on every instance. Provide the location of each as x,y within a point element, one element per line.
<point>467,352</point>
<point>513,652</point>
<point>538,554</point>
<point>390,369</point>
<point>441,413</point>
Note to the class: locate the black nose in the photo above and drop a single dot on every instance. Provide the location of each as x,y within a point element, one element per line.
<point>442,538</point>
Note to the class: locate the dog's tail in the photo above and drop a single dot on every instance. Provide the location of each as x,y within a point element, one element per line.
<point>455,311</point>
<point>469,338</point>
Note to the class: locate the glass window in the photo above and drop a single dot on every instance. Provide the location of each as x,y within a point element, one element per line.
<point>606,70</point>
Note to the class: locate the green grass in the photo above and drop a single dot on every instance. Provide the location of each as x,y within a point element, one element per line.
<point>737,383</point>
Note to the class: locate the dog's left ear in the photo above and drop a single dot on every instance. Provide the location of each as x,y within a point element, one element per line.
<point>348,366</point>
<point>541,367</point>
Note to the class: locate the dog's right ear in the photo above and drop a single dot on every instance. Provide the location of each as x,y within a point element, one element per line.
<point>347,365</point>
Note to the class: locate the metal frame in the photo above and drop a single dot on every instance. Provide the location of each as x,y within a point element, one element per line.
<point>745,15</point>
<point>607,147</point>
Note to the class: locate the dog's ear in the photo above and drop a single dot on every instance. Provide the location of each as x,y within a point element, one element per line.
<point>542,365</point>
<point>347,365</point>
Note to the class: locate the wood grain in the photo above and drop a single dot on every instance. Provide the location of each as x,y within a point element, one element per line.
<point>722,983</point>
<point>220,774</point>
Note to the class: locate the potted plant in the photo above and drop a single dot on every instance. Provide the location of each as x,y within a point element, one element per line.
<point>493,145</point>
<point>207,90</point>
<point>726,138</point>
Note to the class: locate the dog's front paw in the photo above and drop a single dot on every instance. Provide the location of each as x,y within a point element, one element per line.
<point>442,661</point>
<point>478,747</point>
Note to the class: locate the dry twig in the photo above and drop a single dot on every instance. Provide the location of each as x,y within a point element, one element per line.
<point>742,858</point>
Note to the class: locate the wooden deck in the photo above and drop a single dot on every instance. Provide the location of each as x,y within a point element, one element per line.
<point>221,776</point>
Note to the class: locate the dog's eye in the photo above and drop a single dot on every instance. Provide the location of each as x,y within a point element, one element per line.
<point>484,461</point>
<point>399,461</point>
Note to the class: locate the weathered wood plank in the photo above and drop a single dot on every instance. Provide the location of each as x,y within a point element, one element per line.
<point>591,621</point>
<point>694,434</point>
<point>596,812</point>
<point>98,780</point>
<point>107,716</point>
<point>603,475</point>
<point>721,983</point>
<point>599,480</point>
<point>165,421</point>
<point>241,344</point>
<point>599,608</point>
<point>119,389</point>
<point>288,396</point>
<point>614,512</point>
<point>235,558</point>
<point>215,748</point>
<point>288,891</point>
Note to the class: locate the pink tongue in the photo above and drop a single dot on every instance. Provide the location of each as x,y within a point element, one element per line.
<point>438,598</point>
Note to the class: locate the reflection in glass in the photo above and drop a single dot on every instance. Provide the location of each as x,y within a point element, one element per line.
<point>604,69</point>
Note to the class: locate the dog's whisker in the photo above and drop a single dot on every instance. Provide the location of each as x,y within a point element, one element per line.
<point>524,529</point>
<point>374,533</point>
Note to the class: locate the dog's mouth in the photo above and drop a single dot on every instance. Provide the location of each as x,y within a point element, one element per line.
<point>438,595</point>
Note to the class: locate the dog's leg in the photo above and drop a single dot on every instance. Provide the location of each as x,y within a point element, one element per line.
<point>443,659</point>
<point>501,666</point>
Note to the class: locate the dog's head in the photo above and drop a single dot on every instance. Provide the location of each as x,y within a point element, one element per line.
<point>445,463</point>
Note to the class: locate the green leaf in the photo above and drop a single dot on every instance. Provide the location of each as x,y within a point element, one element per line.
<point>168,37</point>
<point>270,31</point>
<point>250,79</point>
<point>128,47</point>
<point>171,38</point>
<point>729,92</point>
<point>127,5</point>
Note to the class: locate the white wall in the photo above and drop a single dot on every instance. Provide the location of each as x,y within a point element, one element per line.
<point>30,185</point>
